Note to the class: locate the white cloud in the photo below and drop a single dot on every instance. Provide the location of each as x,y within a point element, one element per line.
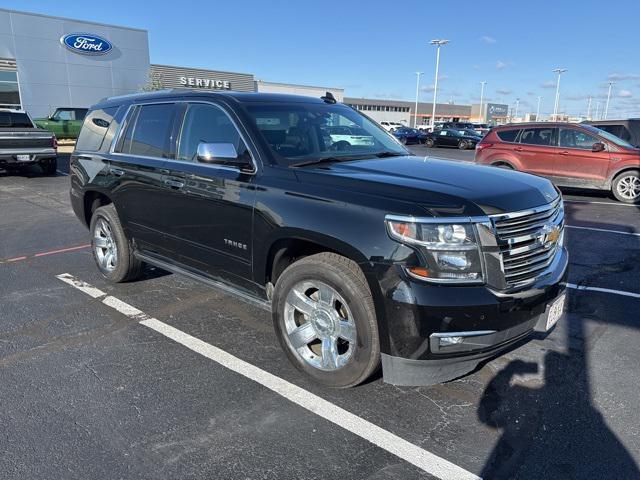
<point>548,84</point>
<point>504,91</point>
<point>488,40</point>
<point>428,88</point>
<point>500,65</point>
<point>625,94</point>
<point>618,77</point>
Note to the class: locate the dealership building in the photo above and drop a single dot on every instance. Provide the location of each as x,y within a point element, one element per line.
<point>48,62</point>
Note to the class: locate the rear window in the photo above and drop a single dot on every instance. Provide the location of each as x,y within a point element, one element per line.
<point>508,135</point>
<point>15,120</point>
<point>95,128</point>
<point>148,132</point>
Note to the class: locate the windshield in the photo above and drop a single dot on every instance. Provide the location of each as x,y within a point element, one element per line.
<point>306,131</point>
<point>611,137</point>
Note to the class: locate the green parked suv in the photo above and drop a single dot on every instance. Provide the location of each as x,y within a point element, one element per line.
<point>64,122</point>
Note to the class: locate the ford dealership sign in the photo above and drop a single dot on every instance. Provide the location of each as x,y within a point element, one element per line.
<point>86,44</point>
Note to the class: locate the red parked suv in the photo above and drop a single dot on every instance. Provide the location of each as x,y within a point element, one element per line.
<point>572,155</point>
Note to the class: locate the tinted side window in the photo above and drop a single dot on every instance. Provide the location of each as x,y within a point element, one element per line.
<point>537,136</point>
<point>95,128</point>
<point>508,135</point>
<point>208,124</point>
<point>619,131</point>
<point>570,138</point>
<point>149,131</point>
<point>81,113</point>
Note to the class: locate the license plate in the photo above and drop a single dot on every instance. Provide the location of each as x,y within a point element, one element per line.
<point>555,311</point>
<point>23,158</point>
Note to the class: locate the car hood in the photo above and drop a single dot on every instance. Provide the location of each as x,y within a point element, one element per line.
<point>439,186</point>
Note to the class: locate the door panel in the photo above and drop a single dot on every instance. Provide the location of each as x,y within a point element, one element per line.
<point>536,151</point>
<point>210,213</point>
<point>211,218</point>
<point>141,153</point>
<point>577,161</point>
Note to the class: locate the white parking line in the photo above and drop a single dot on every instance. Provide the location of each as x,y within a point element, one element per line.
<point>603,230</point>
<point>603,290</point>
<point>62,173</point>
<point>601,203</point>
<point>426,461</point>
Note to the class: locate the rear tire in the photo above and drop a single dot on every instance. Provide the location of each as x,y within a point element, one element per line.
<point>50,166</point>
<point>462,145</point>
<point>429,142</point>
<point>111,249</point>
<point>626,187</point>
<point>325,320</point>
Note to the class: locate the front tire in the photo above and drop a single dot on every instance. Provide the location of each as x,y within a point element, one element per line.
<point>462,145</point>
<point>626,187</point>
<point>325,320</point>
<point>429,142</point>
<point>110,247</point>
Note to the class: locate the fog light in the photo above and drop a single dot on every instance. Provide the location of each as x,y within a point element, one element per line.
<point>447,341</point>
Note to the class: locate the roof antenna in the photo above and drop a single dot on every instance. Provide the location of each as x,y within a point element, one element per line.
<point>328,98</point>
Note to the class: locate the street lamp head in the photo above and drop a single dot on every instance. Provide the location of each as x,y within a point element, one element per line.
<point>560,71</point>
<point>439,42</point>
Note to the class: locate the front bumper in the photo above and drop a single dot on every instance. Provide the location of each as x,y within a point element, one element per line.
<point>490,322</point>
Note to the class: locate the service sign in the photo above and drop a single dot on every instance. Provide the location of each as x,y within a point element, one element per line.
<point>86,44</point>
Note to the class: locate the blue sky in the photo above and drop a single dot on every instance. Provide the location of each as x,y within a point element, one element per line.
<point>372,48</point>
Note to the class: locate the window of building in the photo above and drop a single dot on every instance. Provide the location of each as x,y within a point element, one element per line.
<point>9,91</point>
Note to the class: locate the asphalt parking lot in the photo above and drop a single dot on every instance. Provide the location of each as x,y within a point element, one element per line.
<point>157,378</point>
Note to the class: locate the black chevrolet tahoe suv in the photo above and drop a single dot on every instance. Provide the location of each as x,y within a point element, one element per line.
<point>362,252</point>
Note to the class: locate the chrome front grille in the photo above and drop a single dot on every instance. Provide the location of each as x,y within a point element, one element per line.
<point>529,241</point>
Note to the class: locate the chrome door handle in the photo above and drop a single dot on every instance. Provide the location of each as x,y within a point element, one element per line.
<point>116,171</point>
<point>564,153</point>
<point>518,149</point>
<point>173,183</point>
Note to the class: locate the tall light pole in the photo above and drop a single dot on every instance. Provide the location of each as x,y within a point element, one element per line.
<point>482,84</point>
<point>538,109</point>
<point>559,71</point>
<point>415,113</point>
<point>589,109</point>
<point>438,43</point>
<point>517,105</point>
<point>606,108</point>
<point>595,117</point>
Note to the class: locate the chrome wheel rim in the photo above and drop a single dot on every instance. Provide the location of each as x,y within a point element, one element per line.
<point>629,187</point>
<point>319,325</point>
<point>105,246</point>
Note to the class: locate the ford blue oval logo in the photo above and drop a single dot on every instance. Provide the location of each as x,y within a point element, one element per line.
<point>86,43</point>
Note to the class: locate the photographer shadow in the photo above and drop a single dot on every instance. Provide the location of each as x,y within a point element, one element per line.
<point>553,430</point>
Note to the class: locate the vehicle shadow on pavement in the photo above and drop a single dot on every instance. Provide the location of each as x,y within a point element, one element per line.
<point>554,430</point>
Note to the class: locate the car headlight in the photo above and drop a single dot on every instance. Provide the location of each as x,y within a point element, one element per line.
<point>451,251</point>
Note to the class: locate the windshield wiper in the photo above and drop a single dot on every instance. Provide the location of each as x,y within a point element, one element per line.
<point>389,154</point>
<point>321,160</point>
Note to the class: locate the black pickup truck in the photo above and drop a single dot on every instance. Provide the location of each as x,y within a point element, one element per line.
<point>363,253</point>
<point>21,143</point>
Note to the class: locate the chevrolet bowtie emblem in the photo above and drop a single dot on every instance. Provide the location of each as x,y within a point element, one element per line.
<point>549,235</point>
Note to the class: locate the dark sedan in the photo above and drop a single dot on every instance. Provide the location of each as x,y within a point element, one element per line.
<point>448,137</point>
<point>408,135</point>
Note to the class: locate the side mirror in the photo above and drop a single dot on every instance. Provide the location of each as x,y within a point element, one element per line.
<point>598,147</point>
<point>220,154</point>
